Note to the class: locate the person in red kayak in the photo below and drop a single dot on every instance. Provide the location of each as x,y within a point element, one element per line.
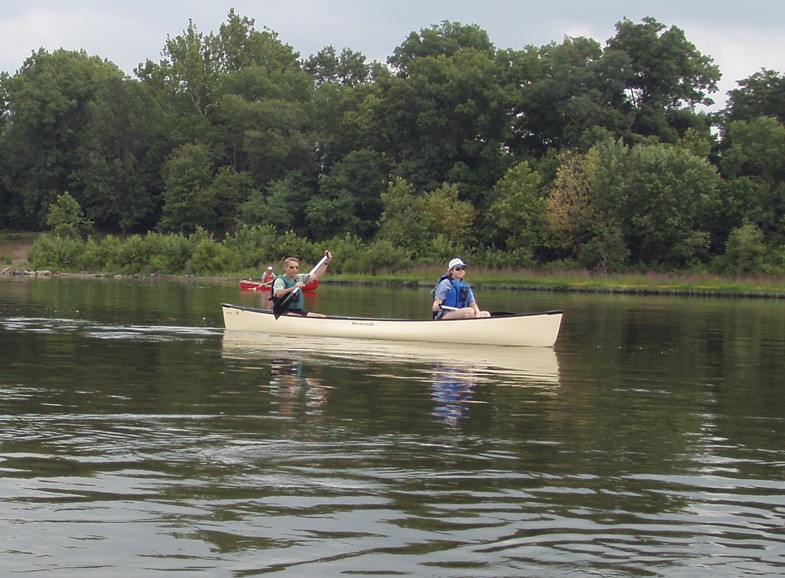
<point>268,277</point>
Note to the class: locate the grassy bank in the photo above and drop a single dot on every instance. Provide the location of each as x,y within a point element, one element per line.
<point>15,247</point>
<point>568,281</point>
<point>583,281</point>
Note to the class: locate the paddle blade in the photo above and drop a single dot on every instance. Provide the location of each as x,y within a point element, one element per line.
<point>280,306</point>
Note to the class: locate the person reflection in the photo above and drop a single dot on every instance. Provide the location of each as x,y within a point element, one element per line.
<point>452,390</point>
<point>292,391</point>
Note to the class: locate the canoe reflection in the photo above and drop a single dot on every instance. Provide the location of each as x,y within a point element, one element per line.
<point>513,365</point>
<point>293,389</point>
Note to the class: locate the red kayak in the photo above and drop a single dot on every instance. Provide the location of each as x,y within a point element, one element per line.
<point>255,285</point>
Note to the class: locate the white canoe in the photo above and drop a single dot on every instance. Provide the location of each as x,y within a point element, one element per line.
<point>532,329</point>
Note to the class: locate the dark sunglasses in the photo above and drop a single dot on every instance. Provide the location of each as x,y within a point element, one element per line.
<point>459,268</point>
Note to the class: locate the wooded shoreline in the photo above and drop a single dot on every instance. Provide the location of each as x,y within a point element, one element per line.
<point>570,155</point>
<point>571,282</point>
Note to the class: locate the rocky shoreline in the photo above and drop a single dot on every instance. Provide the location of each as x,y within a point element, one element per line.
<point>22,271</point>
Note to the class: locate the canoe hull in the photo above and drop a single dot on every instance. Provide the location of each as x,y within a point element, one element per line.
<point>534,329</point>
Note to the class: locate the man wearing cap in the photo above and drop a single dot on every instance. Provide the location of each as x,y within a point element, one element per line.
<point>453,297</point>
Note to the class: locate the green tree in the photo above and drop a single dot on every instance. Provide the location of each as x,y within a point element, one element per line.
<point>348,68</point>
<point>444,40</point>
<point>10,204</point>
<point>649,205</point>
<point>228,191</point>
<point>254,244</point>
<point>282,204</point>
<point>762,94</point>
<point>745,250</point>
<point>382,255</point>
<point>187,79</point>
<point>756,154</point>
<point>443,114</point>
<point>669,78</point>
<point>122,150</point>
<point>66,219</point>
<point>273,137</point>
<point>517,211</point>
<point>49,102</point>
<point>342,115</point>
<point>571,205</point>
<point>452,219</point>
<point>240,46</point>
<point>403,223</point>
<point>188,202</point>
<point>349,199</point>
<point>672,196</point>
<point>263,118</point>
<point>567,95</point>
<point>241,90</point>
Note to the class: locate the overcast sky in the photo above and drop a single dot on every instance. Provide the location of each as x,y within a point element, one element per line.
<point>741,37</point>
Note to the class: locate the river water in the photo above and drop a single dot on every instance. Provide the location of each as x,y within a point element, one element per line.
<point>136,439</point>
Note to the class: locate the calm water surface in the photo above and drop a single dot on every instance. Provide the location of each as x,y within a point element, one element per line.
<point>136,439</point>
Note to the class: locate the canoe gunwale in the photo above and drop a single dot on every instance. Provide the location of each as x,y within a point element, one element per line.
<point>397,320</point>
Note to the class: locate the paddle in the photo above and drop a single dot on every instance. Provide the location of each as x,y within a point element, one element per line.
<point>493,313</point>
<point>280,306</point>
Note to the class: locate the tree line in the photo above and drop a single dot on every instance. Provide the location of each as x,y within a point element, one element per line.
<point>573,154</point>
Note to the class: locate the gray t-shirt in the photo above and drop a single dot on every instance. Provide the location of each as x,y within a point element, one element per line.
<point>279,283</point>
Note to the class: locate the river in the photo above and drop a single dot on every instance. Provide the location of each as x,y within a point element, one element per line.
<point>138,440</point>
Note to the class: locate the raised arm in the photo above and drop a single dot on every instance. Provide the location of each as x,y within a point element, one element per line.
<point>323,267</point>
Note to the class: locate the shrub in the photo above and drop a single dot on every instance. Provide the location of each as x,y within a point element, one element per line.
<point>745,250</point>
<point>105,256</point>
<point>382,255</point>
<point>289,244</point>
<point>254,244</point>
<point>210,257</point>
<point>497,259</point>
<point>54,252</point>
<point>348,251</point>
<point>171,253</point>
<point>442,250</point>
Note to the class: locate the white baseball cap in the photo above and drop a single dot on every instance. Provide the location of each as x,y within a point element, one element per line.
<point>456,263</point>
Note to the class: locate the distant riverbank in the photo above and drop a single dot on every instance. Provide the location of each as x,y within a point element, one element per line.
<point>685,284</point>
<point>15,247</point>
<point>702,285</point>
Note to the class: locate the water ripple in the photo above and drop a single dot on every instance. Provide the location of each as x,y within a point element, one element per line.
<point>104,331</point>
<point>422,505</point>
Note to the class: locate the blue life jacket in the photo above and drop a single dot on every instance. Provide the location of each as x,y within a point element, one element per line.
<point>295,304</point>
<point>458,296</point>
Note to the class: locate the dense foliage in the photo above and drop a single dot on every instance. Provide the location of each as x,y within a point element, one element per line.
<point>232,149</point>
